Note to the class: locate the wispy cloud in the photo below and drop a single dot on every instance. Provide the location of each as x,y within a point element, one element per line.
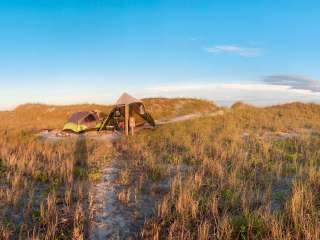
<point>216,86</point>
<point>228,93</point>
<point>235,50</point>
<point>294,82</point>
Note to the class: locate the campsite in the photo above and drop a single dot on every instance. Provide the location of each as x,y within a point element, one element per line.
<point>120,120</point>
<point>159,120</point>
<point>234,173</point>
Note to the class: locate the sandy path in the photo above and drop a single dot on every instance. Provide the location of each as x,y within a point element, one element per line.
<point>106,223</point>
<point>111,218</point>
<point>189,117</point>
<point>56,135</point>
<point>115,220</point>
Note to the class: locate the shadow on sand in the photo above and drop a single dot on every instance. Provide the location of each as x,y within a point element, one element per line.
<point>81,181</point>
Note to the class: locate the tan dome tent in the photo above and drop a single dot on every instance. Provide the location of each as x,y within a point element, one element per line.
<point>127,107</point>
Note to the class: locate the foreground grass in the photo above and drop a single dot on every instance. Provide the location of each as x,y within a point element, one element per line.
<point>44,186</point>
<point>253,174</point>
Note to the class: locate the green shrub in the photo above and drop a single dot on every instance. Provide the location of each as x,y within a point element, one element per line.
<point>249,227</point>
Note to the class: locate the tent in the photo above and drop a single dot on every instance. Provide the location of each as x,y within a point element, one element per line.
<point>82,121</point>
<point>126,107</point>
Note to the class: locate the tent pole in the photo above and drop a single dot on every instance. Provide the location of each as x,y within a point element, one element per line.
<point>126,116</point>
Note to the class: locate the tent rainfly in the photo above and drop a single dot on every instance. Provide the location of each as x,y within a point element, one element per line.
<point>125,107</point>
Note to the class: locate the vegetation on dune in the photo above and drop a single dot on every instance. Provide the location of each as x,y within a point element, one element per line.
<point>164,108</point>
<point>40,116</point>
<point>44,185</point>
<point>252,173</point>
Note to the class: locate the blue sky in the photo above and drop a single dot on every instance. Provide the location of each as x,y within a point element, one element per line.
<point>61,52</point>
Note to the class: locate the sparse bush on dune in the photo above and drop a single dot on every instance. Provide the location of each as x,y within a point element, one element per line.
<point>241,105</point>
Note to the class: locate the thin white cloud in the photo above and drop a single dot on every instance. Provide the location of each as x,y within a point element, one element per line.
<point>217,86</point>
<point>235,50</point>
<point>224,93</point>
<point>227,93</point>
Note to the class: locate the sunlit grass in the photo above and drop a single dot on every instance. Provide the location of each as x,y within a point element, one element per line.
<point>44,186</point>
<point>252,174</point>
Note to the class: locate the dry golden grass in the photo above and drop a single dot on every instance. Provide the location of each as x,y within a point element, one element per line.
<point>39,116</point>
<point>44,185</point>
<point>163,108</point>
<point>254,174</point>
